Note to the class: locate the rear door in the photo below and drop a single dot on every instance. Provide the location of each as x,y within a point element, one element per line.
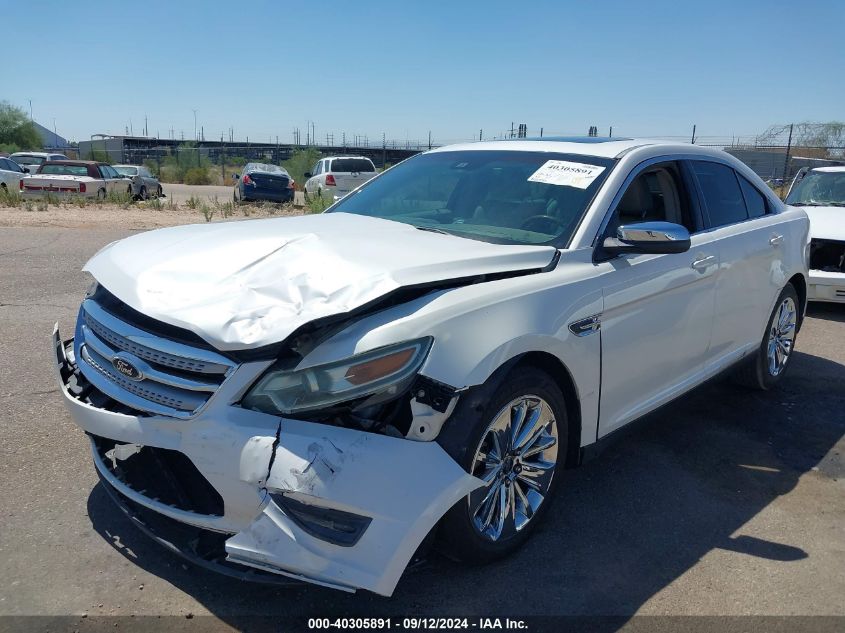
<point>751,245</point>
<point>658,309</point>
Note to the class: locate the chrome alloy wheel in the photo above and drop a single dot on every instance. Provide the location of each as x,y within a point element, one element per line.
<point>516,459</point>
<point>782,336</point>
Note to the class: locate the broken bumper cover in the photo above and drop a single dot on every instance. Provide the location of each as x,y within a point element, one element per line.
<point>399,488</point>
<point>826,286</point>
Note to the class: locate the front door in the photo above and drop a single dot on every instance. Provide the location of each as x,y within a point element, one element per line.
<point>658,309</point>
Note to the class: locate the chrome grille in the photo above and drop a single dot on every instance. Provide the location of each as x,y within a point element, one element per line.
<point>168,378</point>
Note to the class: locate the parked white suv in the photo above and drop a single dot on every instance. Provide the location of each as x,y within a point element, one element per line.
<point>335,176</point>
<point>821,193</point>
<point>312,396</point>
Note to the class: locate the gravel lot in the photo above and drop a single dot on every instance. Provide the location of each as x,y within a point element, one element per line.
<point>172,209</point>
<point>724,503</point>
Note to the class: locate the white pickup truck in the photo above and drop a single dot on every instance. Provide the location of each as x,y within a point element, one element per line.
<point>83,178</point>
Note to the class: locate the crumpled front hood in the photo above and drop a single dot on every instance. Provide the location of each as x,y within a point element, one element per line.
<point>252,283</point>
<point>826,223</point>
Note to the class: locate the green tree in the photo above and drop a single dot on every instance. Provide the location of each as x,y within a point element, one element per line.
<point>16,130</point>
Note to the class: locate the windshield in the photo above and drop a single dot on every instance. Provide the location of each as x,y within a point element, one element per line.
<point>819,188</point>
<point>126,171</point>
<point>65,170</point>
<point>504,197</point>
<point>273,169</point>
<point>26,159</point>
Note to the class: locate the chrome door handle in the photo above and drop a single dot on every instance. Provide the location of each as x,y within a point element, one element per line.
<point>703,262</point>
<point>776,240</point>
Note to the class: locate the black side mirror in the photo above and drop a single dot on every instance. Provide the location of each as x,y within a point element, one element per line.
<point>307,174</point>
<point>25,170</point>
<point>656,238</point>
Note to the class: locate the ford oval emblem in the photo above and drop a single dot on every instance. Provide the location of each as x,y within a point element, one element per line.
<point>127,369</point>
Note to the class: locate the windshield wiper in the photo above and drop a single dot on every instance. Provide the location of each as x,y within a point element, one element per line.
<point>431,229</point>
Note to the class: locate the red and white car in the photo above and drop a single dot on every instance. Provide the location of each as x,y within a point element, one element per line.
<point>83,178</point>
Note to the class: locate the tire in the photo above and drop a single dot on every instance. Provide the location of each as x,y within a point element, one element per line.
<point>101,194</point>
<point>305,194</point>
<point>143,193</point>
<point>129,191</point>
<point>474,530</point>
<point>765,369</point>
<point>160,192</point>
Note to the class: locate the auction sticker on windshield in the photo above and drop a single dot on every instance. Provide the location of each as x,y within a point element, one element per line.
<point>562,172</point>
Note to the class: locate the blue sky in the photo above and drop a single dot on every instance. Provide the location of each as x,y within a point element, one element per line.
<point>403,68</point>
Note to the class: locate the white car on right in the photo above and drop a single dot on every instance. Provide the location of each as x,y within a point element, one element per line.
<point>820,192</point>
<point>336,176</point>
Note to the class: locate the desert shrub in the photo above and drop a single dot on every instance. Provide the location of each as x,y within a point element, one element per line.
<point>197,176</point>
<point>301,160</point>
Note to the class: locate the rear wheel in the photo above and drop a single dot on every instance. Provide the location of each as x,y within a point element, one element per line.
<point>143,194</point>
<point>516,446</point>
<point>101,194</point>
<point>771,360</point>
<point>160,192</point>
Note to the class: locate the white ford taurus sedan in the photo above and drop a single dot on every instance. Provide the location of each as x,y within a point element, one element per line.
<point>313,397</point>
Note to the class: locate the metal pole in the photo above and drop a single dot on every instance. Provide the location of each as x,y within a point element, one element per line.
<point>195,125</point>
<point>693,135</point>
<point>541,132</point>
<point>786,160</point>
<point>610,135</point>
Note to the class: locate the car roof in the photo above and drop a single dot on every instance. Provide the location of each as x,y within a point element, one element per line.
<point>833,168</point>
<point>74,162</point>
<point>333,157</point>
<point>584,145</point>
<point>125,165</point>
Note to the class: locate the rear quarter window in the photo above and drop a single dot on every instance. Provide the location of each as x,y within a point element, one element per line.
<point>755,202</point>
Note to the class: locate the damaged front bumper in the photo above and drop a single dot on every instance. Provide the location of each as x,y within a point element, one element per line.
<point>826,286</point>
<point>323,504</point>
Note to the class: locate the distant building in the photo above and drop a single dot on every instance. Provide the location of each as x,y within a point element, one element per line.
<point>49,139</point>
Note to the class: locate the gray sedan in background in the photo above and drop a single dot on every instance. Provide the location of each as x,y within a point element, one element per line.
<point>144,184</point>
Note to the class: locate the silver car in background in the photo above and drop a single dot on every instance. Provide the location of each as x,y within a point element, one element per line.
<point>144,184</point>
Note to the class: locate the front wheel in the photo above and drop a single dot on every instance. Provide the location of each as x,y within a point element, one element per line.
<point>771,360</point>
<point>516,446</point>
<point>143,194</point>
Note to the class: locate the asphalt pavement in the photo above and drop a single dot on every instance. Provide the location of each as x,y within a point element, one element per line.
<point>726,502</point>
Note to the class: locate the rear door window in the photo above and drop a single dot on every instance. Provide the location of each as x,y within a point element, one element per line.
<point>722,194</point>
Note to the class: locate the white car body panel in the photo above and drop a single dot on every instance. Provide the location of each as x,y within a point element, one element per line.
<point>826,223</point>
<point>222,281</point>
<point>56,184</point>
<point>665,323</point>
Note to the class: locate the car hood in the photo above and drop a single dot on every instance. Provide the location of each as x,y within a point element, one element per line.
<point>826,223</point>
<point>252,283</point>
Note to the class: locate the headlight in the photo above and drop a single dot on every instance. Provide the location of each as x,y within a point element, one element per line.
<point>383,371</point>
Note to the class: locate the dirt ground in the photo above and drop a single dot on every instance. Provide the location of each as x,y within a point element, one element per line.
<point>137,216</point>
